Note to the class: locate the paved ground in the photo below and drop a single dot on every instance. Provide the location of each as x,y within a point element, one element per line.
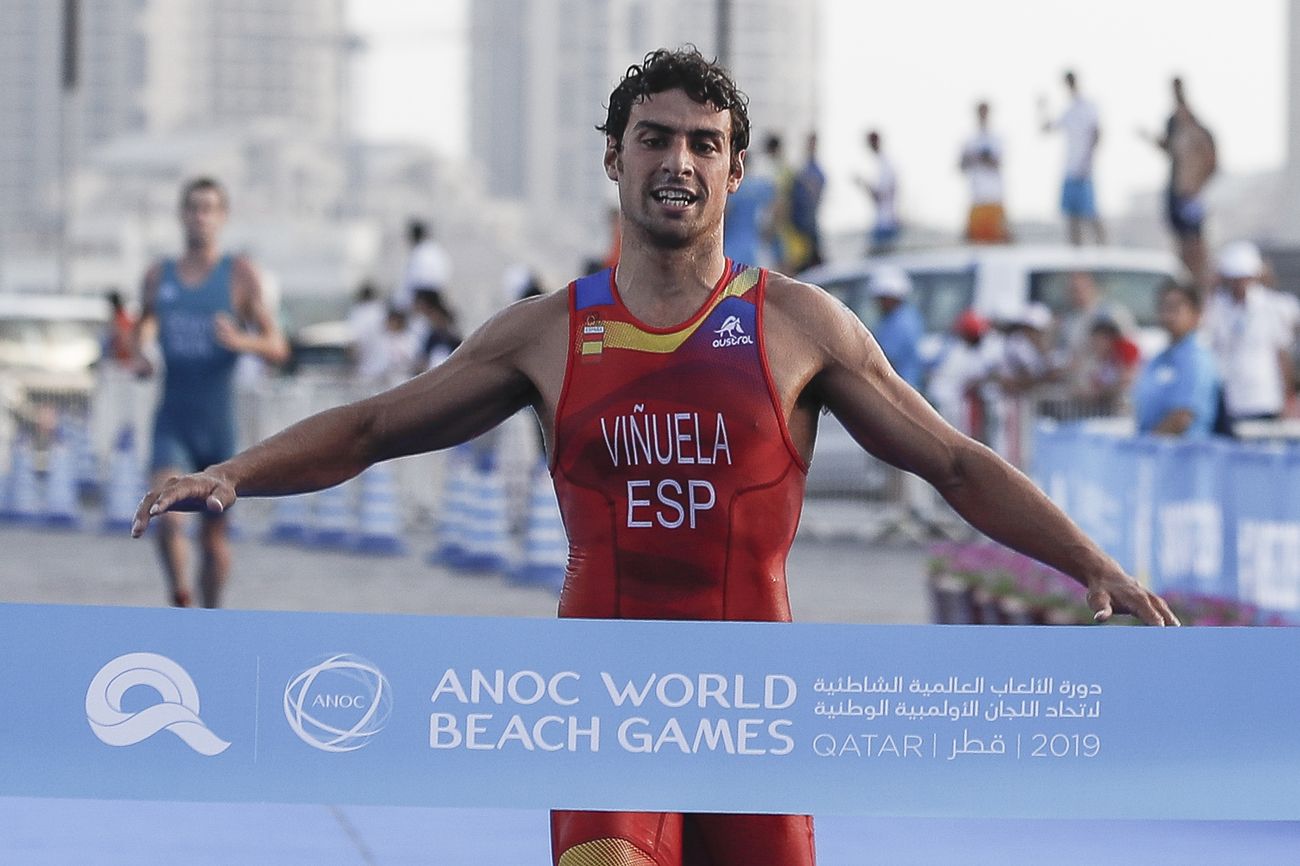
<point>832,578</point>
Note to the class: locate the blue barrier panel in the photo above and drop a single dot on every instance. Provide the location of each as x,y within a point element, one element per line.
<point>1101,492</point>
<point>1213,517</point>
<point>1267,523</point>
<point>1191,516</point>
<point>121,703</point>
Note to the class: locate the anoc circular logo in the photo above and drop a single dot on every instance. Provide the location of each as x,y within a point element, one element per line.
<point>339,704</point>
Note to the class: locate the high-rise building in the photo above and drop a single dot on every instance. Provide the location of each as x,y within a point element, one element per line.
<point>157,66</point>
<point>536,101</point>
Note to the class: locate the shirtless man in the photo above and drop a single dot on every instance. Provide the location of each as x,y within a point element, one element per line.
<point>207,308</point>
<point>679,393</point>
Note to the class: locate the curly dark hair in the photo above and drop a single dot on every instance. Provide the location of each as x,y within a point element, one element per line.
<point>703,80</point>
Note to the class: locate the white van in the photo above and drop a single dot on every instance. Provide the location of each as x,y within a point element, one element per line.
<point>997,281</point>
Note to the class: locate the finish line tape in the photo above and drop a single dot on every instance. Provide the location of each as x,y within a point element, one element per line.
<point>124,703</point>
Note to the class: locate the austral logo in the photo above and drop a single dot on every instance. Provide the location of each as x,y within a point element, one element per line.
<point>338,704</point>
<point>731,334</point>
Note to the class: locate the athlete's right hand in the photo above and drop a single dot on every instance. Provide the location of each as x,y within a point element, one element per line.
<point>201,491</point>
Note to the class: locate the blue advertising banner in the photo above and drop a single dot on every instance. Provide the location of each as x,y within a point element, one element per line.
<point>122,703</point>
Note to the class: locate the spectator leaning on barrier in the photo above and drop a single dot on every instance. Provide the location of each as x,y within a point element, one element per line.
<point>1288,306</point>
<point>1113,366</point>
<point>1086,307</point>
<point>1248,337</point>
<point>1177,393</point>
<point>1027,357</point>
<point>900,328</point>
<point>958,383</point>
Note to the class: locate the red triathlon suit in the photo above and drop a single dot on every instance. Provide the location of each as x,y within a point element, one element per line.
<point>681,491</point>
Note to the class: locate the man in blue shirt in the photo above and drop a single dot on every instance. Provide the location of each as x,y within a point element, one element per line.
<point>806,201</point>
<point>749,211</point>
<point>1178,391</point>
<point>900,328</point>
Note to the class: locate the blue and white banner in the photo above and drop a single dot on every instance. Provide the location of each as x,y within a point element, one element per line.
<point>1213,517</point>
<point>121,703</point>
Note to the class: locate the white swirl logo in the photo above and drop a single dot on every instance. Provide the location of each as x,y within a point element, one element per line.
<point>178,710</point>
<point>339,704</point>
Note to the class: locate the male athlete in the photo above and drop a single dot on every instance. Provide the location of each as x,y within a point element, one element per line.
<point>207,308</point>
<point>679,392</point>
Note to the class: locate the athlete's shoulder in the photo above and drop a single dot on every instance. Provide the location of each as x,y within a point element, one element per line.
<point>152,281</point>
<point>804,304</point>
<point>244,268</point>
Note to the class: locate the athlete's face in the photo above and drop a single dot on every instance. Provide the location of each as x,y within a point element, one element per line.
<point>203,214</point>
<point>674,169</point>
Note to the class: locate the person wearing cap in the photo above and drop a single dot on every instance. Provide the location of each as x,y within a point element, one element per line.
<point>1177,393</point>
<point>957,382</point>
<point>1027,358</point>
<point>1112,367</point>
<point>900,328</point>
<point>1250,341</point>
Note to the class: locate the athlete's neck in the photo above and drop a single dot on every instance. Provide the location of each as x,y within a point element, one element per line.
<point>665,286</point>
<point>201,253</point>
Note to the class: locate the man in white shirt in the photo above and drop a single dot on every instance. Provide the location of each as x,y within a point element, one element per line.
<point>1082,131</point>
<point>1250,340</point>
<point>981,160</point>
<point>427,267</point>
<point>366,329</point>
<point>884,194</point>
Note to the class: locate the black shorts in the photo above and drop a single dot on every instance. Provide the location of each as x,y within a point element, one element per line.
<point>1185,215</point>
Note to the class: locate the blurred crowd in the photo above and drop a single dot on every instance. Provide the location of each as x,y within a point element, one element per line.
<point>1227,360</point>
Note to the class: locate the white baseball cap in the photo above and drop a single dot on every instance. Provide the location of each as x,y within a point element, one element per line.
<point>1035,315</point>
<point>1240,260</point>
<point>889,281</point>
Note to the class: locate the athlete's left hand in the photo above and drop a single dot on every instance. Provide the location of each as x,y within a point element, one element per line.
<point>1122,594</point>
<point>199,491</point>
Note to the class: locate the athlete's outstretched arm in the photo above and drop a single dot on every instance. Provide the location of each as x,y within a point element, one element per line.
<point>478,387</point>
<point>891,420</point>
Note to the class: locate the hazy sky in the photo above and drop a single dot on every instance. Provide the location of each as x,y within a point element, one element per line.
<point>915,68</point>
